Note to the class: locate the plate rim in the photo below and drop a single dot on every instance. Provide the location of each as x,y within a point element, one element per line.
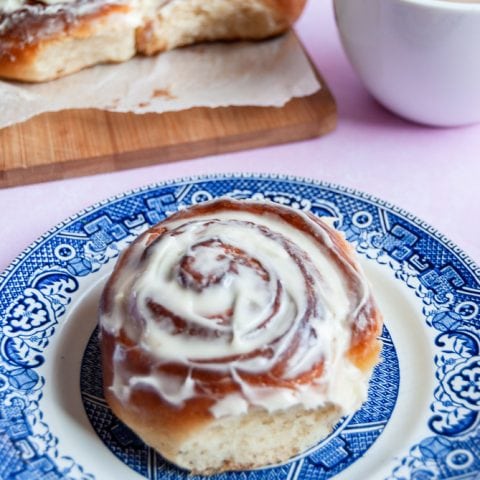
<point>426,226</point>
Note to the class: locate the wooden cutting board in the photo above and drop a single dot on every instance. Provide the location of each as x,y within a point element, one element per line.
<point>84,142</point>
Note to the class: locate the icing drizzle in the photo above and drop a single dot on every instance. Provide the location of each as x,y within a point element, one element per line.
<point>244,303</point>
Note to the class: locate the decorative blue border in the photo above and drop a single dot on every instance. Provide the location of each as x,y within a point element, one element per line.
<point>38,286</point>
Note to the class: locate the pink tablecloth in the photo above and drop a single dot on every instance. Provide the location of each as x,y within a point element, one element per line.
<point>433,173</point>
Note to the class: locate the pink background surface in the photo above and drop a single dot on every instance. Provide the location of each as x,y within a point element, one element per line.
<point>433,173</point>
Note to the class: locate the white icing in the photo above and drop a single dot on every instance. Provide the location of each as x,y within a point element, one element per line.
<point>11,5</point>
<point>142,8</point>
<point>53,2</point>
<point>251,297</point>
<point>172,390</point>
<point>50,6</point>
<point>233,404</point>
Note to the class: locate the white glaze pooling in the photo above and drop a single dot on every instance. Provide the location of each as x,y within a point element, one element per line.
<point>261,313</point>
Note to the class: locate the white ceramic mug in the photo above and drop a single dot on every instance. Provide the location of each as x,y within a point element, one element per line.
<point>419,58</point>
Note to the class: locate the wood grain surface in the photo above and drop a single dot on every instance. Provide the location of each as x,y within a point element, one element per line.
<point>84,142</point>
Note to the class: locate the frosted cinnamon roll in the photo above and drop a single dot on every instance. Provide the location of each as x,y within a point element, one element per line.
<point>236,334</point>
<point>46,39</point>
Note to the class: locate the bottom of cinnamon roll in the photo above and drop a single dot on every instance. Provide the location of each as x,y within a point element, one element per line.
<point>243,442</point>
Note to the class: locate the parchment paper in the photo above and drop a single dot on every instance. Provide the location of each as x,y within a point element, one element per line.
<point>266,74</point>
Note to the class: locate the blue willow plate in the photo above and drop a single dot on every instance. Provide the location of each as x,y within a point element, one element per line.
<point>422,417</point>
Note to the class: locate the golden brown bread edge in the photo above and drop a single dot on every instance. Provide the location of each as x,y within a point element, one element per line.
<point>108,35</point>
<point>170,429</point>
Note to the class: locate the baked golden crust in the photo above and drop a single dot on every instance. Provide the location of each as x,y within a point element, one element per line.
<point>289,10</point>
<point>33,38</point>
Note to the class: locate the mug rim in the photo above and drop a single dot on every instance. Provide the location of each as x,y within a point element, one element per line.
<point>445,4</point>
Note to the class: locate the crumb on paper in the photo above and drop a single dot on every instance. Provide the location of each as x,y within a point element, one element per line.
<point>163,92</point>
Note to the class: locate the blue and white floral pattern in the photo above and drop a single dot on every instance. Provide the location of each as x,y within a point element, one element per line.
<point>37,290</point>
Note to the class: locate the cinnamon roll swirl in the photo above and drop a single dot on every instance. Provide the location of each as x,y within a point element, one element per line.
<point>234,334</point>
